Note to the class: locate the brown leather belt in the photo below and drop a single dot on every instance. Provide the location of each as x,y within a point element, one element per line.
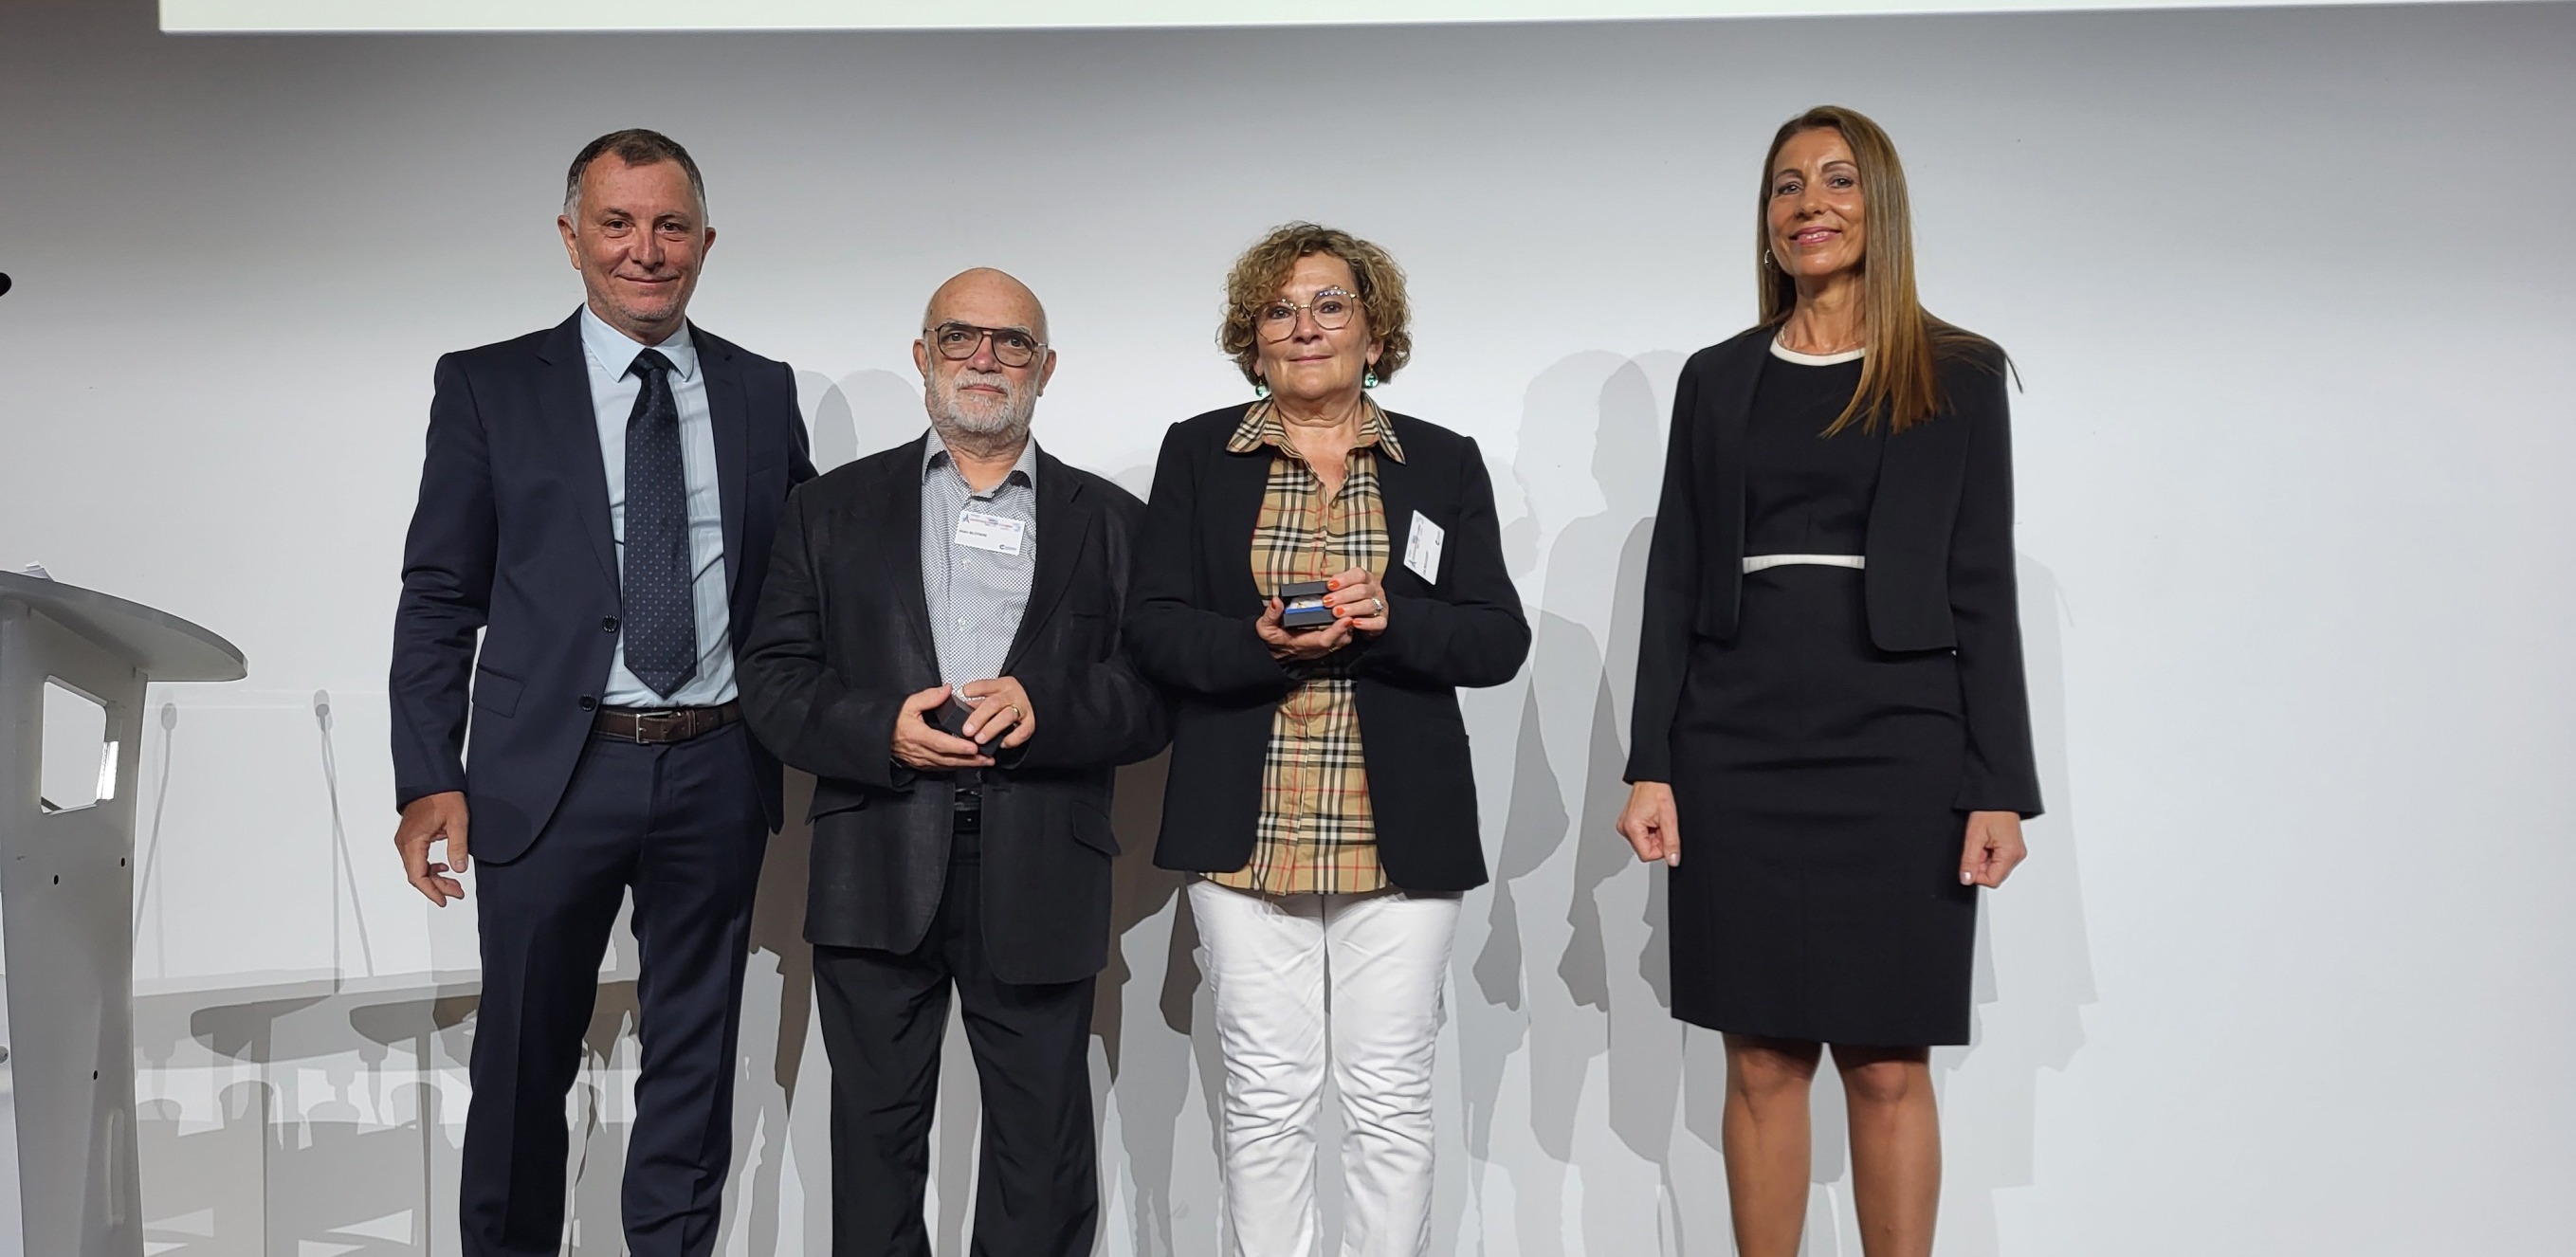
<point>656,726</point>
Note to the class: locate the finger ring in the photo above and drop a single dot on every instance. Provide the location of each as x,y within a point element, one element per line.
<point>1013,708</point>
<point>1380,604</point>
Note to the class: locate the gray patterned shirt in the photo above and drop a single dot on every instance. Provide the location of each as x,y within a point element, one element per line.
<point>975,596</point>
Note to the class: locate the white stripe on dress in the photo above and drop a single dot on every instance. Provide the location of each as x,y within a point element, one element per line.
<point>1757,562</point>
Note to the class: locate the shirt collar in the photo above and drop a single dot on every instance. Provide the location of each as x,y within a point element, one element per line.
<point>615,353</point>
<point>934,454</point>
<point>1262,425</point>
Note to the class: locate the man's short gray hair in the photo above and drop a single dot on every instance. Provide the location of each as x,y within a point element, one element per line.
<point>634,146</point>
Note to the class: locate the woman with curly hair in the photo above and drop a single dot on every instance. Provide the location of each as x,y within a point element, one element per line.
<point>1316,577</point>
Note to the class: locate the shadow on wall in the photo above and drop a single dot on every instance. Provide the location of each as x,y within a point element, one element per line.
<point>778,1002</point>
<point>2034,964</point>
<point>334,1180</point>
<point>861,413</point>
<point>1149,1058</point>
<point>329,1116</point>
<point>1567,1001</point>
<point>1151,1065</point>
<point>310,1111</point>
<point>314,1112</point>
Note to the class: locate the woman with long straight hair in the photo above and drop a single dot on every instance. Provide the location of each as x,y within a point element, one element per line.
<point>1830,701</point>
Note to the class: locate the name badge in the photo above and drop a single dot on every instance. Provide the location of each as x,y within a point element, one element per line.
<point>1422,548</point>
<point>991,532</point>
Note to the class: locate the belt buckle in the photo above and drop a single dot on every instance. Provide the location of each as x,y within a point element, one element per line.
<point>660,721</point>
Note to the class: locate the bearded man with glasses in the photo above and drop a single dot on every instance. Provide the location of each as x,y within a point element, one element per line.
<point>938,643</point>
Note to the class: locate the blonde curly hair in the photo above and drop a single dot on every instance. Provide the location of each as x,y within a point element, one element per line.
<point>1256,277</point>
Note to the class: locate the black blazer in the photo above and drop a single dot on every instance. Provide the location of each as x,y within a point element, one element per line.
<point>1189,628</point>
<point>843,636</point>
<point>511,538</point>
<point>1940,551</point>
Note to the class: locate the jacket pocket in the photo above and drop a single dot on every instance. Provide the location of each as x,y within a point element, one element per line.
<point>835,796</point>
<point>1091,828</point>
<point>496,693</point>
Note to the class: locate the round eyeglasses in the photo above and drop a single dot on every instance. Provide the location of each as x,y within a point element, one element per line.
<point>1331,308</point>
<point>957,342</point>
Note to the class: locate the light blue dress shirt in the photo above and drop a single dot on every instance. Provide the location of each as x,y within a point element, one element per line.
<point>975,597</point>
<point>613,389</point>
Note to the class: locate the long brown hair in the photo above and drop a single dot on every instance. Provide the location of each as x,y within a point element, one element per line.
<point>1900,380</point>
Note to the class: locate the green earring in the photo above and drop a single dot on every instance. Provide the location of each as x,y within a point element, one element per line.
<point>1260,388</point>
<point>1369,380</point>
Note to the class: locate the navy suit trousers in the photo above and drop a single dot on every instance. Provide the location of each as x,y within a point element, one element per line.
<point>679,825</point>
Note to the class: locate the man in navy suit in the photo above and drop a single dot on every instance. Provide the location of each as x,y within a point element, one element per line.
<point>597,502</point>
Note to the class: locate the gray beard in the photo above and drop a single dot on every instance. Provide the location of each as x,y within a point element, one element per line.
<point>976,429</point>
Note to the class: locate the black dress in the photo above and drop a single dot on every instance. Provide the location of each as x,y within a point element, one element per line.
<point>1816,776</point>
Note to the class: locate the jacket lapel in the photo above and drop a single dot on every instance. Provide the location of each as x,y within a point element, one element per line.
<point>898,519</point>
<point>730,412</point>
<point>1727,410</point>
<point>1398,493</point>
<point>565,406</point>
<point>1234,489</point>
<point>1064,530</point>
<point>1731,410</point>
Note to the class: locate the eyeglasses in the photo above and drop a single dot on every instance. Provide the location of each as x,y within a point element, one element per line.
<point>1331,309</point>
<point>958,342</point>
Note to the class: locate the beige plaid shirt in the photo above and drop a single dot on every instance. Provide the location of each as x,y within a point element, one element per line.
<point>1315,833</point>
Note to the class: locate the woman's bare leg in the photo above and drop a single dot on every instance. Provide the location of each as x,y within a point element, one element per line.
<point>1895,1147</point>
<point>1766,1141</point>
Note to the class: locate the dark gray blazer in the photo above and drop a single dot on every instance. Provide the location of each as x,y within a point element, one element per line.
<point>842,636</point>
<point>1940,551</point>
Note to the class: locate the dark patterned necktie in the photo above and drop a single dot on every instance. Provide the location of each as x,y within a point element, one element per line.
<point>661,619</point>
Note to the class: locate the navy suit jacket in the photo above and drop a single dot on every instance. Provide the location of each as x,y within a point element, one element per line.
<point>511,543</point>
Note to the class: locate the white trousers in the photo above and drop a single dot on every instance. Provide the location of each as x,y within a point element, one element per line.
<point>1307,983</point>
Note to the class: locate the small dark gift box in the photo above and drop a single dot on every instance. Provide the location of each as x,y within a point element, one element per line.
<point>1303,603</point>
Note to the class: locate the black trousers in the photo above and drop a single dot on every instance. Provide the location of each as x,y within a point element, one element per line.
<point>680,826</point>
<point>884,1015</point>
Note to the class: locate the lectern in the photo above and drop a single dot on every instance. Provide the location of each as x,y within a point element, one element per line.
<point>67,903</point>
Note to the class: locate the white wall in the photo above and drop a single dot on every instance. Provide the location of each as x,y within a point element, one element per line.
<point>2290,292</point>
<point>340,17</point>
